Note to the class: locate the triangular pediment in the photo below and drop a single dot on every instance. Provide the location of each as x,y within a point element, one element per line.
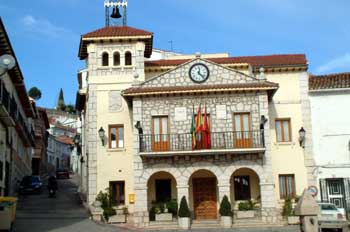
<point>180,76</point>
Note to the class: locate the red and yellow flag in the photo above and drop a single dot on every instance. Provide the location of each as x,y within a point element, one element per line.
<point>206,131</point>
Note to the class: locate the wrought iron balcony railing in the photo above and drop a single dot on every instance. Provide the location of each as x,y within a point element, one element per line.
<point>203,141</point>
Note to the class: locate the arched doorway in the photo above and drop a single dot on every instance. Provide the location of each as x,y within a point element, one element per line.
<point>245,185</point>
<point>203,195</point>
<point>161,188</point>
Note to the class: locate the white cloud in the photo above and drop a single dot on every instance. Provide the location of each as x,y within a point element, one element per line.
<point>336,63</point>
<point>44,27</point>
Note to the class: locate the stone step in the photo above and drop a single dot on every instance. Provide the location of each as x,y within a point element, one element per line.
<point>209,221</point>
<point>154,226</point>
<point>201,224</point>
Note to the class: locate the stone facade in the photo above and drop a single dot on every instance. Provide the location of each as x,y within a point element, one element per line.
<point>221,166</point>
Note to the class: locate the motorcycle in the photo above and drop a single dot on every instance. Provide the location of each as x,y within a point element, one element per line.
<point>52,186</point>
<point>52,193</point>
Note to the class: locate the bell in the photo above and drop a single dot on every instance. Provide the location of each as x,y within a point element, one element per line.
<point>115,14</point>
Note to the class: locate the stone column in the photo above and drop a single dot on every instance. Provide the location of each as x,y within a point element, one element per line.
<point>182,190</point>
<point>306,120</point>
<point>92,144</point>
<point>224,189</point>
<point>140,217</point>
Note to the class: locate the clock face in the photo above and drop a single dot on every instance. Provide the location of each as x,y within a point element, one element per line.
<point>199,73</point>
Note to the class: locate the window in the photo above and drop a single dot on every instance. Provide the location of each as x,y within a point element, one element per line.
<point>287,186</point>
<point>128,58</point>
<point>160,137</point>
<point>163,190</point>
<point>116,136</point>
<point>242,128</point>
<point>116,59</point>
<point>283,131</point>
<point>241,187</point>
<point>105,59</point>
<point>117,191</point>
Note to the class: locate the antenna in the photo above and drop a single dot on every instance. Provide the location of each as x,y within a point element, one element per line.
<point>115,12</point>
<point>171,45</point>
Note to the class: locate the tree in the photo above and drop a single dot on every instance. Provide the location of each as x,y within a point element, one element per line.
<point>70,109</point>
<point>60,103</point>
<point>34,93</point>
<point>184,211</point>
<point>225,207</point>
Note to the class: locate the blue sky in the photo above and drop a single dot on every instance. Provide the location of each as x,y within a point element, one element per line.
<point>45,34</point>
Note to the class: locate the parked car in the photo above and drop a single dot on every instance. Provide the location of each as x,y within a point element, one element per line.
<point>330,213</point>
<point>62,173</point>
<point>30,184</point>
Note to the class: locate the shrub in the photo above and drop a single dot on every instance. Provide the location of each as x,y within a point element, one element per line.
<point>152,214</point>
<point>172,206</point>
<point>247,205</point>
<point>104,198</point>
<point>184,211</point>
<point>225,207</point>
<point>287,208</point>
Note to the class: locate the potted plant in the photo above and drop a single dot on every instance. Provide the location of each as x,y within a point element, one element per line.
<point>246,209</point>
<point>184,214</point>
<point>162,214</point>
<point>288,212</point>
<point>226,212</point>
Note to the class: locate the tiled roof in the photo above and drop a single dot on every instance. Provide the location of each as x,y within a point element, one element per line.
<point>117,31</point>
<point>198,88</point>
<point>330,81</point>
<point>255,61</point>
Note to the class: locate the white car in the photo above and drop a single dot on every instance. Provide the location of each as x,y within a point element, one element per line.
<point>330,213</point>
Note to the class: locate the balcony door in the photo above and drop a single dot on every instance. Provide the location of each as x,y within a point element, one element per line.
<point>160,133</point>
<point>242,127</point>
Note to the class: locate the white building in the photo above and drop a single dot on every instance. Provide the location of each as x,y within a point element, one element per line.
<point>330,101</point>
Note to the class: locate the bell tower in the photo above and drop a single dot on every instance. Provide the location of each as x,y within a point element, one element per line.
<point>113,18</point>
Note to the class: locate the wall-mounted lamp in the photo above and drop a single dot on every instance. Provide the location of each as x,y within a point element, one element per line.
<point>101,133</point>
<point>7,62</point>
<point>263,120</point>
<point>302,137</point>
<point>138,127</point>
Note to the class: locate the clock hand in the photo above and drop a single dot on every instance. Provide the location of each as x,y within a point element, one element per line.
<point>199,73</point>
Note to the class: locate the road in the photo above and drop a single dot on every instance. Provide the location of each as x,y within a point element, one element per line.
<point>65,213</point>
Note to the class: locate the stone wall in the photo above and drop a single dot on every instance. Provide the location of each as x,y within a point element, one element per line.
<point>222,166</point>
<point>180,76</point>
<point>235,103</point>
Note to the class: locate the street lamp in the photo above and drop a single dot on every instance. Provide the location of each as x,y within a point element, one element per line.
<point>302,133</point>
<point>101,133</point>
<point>7,62</point>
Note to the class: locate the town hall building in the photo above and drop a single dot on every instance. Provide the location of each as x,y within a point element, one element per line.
<point>201,126</point>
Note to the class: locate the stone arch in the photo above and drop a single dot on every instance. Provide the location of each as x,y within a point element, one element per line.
<point>161,187</point>
<point>203,166</point>
<point>149,172</point>
<point>245,184</point>
<point>256,167</point>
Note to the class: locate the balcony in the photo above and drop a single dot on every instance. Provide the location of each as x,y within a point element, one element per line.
<point>233,142</point>
<point>6,109</point>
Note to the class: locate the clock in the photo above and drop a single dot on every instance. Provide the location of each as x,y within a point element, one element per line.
<point>199,73</point>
